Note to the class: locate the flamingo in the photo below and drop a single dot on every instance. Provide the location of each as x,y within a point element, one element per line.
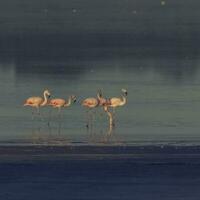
<point>104,103</point>
<point>37,102</point>
<point>92,103</point>
<point>99,101</point>
<point>59,103</point>
<point>116,101</point>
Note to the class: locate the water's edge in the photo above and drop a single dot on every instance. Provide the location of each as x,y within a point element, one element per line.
<point>166,154</point>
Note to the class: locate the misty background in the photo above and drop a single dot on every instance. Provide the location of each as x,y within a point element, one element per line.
<point>66,30</point>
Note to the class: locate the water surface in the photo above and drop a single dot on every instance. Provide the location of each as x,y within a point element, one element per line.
<point>163,98</point>
<point>149,48</point>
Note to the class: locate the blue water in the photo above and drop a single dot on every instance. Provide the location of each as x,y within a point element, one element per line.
<point>98,179</point>
<point>149,48</point>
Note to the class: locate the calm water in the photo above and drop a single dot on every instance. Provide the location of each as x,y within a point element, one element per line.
<point>163,98</point>
<point>149,48</point>
<point>98,179</point>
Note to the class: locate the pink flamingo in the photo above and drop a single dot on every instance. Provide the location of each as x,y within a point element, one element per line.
<point>116,102</point>
<point>92,103</point>
<point>59,103</point>
<point>37,102</point>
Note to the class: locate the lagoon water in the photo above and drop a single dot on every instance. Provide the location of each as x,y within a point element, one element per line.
<point>163,97</point>
<point>151,48</point>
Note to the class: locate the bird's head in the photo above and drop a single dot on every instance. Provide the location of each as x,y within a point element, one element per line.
<point>73,98</point>
<point>125,91</point>
<point>46,92</point>
<point>99,93</point>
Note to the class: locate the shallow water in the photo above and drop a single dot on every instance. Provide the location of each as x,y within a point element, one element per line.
<point>163,98</point>
<point>149,48</point>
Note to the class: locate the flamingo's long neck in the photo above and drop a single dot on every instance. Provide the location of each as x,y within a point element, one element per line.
<point>68,103</point>
<point>123,102</point>
<point>100,99</point>
<point>45,100</point>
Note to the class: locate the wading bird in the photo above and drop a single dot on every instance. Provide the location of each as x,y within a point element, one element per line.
<point>37,102</point>
<point>92,103</point>
<point>96,102</point>
<point>59,103</point>
<point>103,102</point>
<point>116,102</point>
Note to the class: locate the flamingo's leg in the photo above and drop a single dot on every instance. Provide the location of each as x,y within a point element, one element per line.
<point>93,116</point>
<point>111,119</point>
<point>32,114</point>
<point>49,119</point>
<point>114,115</point>
<point>92,120</point>
<point>110,130</point>
<point>38,110</point>
<point>39,114</point>
<point>59,120</point>
<point>87,119</point>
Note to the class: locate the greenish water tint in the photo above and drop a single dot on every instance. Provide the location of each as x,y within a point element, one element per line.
<point>163,99</point>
